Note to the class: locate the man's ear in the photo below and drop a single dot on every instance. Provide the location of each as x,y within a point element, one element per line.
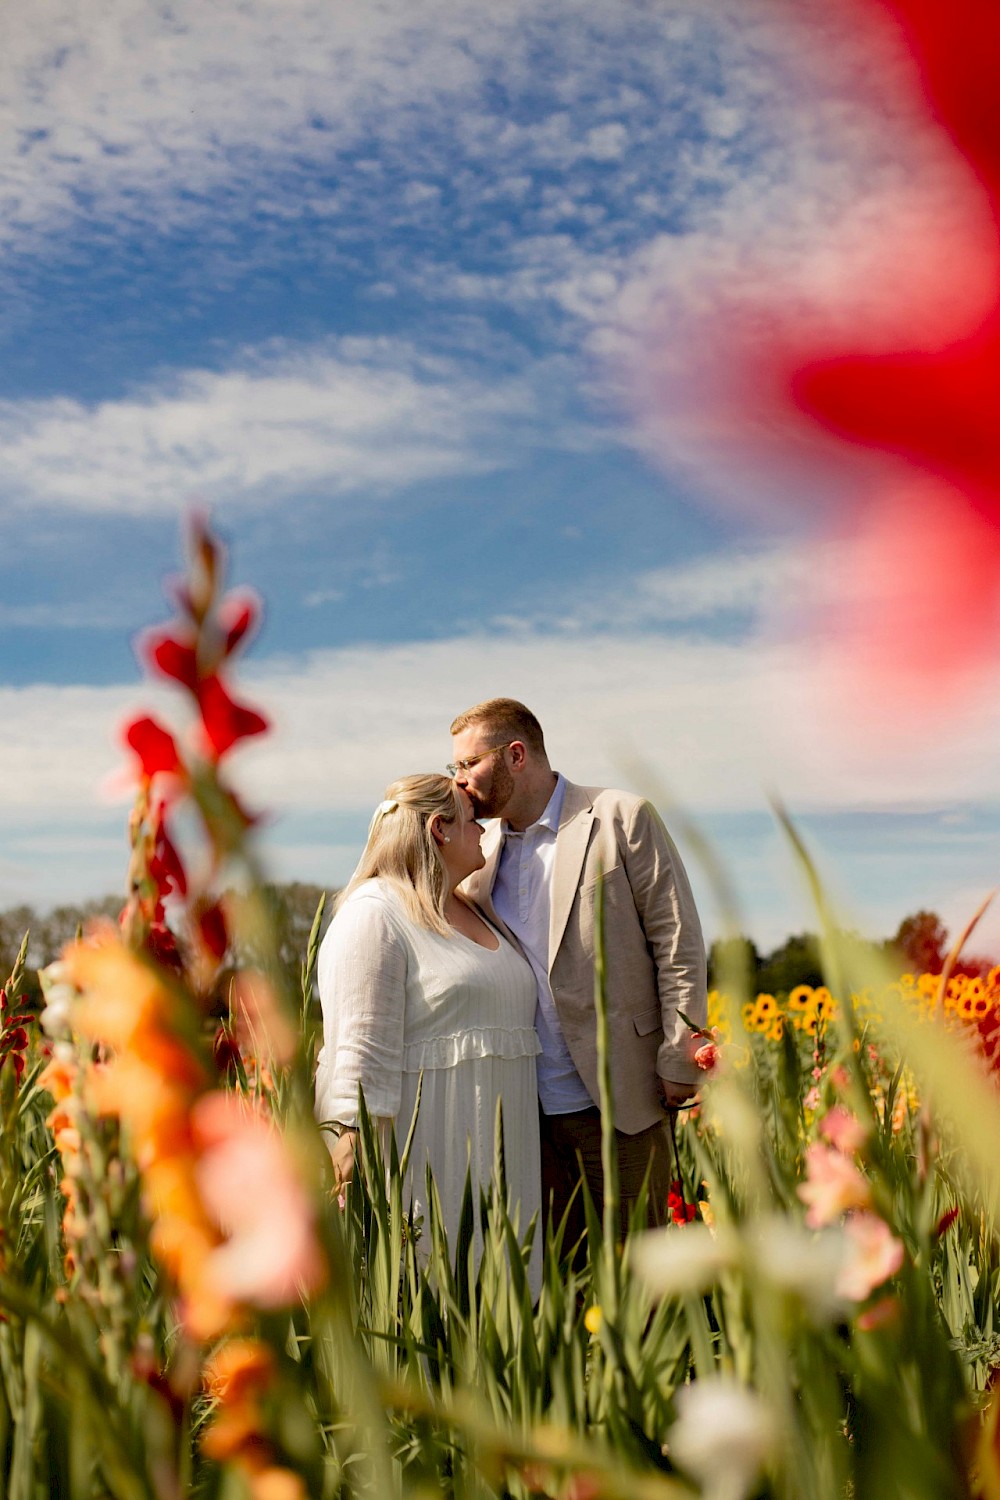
<point>518,754</point>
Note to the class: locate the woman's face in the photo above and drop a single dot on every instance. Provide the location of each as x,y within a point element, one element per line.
<point>462,854</point>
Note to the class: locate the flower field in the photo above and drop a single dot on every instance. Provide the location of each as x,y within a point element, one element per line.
<point>187,1308</point>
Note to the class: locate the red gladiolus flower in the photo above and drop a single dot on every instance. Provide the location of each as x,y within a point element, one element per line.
<point>225,721</point>
<point>877,396</point>
<point>155,747</point>
<point>945,1222</point>
<point>166,867</point>
<point>172,658</point>
<point>214,934</point>
<point>680,1212</point>
<point>238,615</point>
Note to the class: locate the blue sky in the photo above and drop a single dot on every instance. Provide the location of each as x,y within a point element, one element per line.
<point>385,288</point>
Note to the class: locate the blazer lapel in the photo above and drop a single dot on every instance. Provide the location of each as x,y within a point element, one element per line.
<point>571,849</point>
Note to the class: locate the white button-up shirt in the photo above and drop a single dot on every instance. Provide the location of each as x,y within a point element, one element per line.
<point>522,898</point>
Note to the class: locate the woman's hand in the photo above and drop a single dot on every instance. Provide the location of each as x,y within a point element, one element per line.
<point>342,1157</point>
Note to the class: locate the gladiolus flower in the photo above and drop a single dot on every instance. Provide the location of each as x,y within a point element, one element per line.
<point>155,747</point>
<point>225,721</point>
<point>844,1131</point>
<point>833,1186</point>
<point>241,1368</point>
<point>173,658</point>
<point>676,1265</point>
<point>121,994</point>
<point>238,616</point>
<point>874,1255</point>
<point>722,1437</point>
<point>945,1222</point>
<point>212,928</point>
<point>680,1211</point>
<point>251,1188</point>
<point>165,866</point>
<point>277,1484</point>
<point>59,1075</point>
<point>707,1057</point>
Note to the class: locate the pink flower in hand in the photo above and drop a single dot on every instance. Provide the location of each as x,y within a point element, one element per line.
<point>874,1254</point>
<point>706,1057</point>
<point>833,1186</point>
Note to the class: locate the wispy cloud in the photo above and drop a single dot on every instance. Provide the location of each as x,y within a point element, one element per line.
<point>371,414</point>
<point>730,589</point>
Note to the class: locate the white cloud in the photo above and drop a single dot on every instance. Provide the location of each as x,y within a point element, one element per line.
<point>763,582</point>
<point>719,723</point>
<point>353,414</point>
<point>607,142</point>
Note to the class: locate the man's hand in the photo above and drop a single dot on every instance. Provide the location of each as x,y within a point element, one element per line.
<point>673,1095</point>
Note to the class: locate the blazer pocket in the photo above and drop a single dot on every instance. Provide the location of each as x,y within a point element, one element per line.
<point>648,1022</point>
<point>610,878</point>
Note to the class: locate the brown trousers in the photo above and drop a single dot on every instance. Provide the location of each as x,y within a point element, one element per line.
<point>571,1146</point>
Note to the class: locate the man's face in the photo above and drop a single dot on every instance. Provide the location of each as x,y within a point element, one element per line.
<point>489,781</point>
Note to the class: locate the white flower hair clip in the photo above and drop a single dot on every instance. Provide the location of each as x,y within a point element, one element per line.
<point>388,806</point>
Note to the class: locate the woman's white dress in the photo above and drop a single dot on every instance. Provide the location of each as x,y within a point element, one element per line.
<point>399,999</point>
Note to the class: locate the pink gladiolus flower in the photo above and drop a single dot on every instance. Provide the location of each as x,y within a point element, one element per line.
<point>833,1186</point>
<point>874,1255</point>
<point>250,1186</point>
<point>843,1130</point>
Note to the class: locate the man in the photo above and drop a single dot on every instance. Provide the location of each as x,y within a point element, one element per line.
<point>553,842</point>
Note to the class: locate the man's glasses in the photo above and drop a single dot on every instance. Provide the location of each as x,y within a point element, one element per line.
<point>473,760</point>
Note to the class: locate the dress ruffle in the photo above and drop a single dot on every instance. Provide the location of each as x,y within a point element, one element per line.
<point>484,1041</point>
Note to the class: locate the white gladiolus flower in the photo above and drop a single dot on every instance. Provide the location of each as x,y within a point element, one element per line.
<point>722,1437</point>
<point>801,1264</point>
<point>60,996</point>
<point>676,1262</point>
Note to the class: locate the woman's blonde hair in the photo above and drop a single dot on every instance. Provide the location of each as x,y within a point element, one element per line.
<point>402,850</point>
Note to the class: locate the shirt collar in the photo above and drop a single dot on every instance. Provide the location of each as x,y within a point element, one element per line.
<point>549,819</point>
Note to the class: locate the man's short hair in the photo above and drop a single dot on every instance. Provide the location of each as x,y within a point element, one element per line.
<point>504,719</point>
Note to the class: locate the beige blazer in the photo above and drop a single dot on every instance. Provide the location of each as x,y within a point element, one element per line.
<point>654,952</point>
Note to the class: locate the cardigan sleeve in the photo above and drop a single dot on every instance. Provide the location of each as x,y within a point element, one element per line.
<point>362,990</point>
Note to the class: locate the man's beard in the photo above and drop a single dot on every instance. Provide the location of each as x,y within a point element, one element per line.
<point>492,803</point>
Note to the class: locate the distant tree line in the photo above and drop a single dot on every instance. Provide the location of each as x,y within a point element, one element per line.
<point>919,946</point>
<point>293,906</point>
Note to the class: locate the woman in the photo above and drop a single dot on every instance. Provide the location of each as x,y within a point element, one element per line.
<point>413,981</point>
